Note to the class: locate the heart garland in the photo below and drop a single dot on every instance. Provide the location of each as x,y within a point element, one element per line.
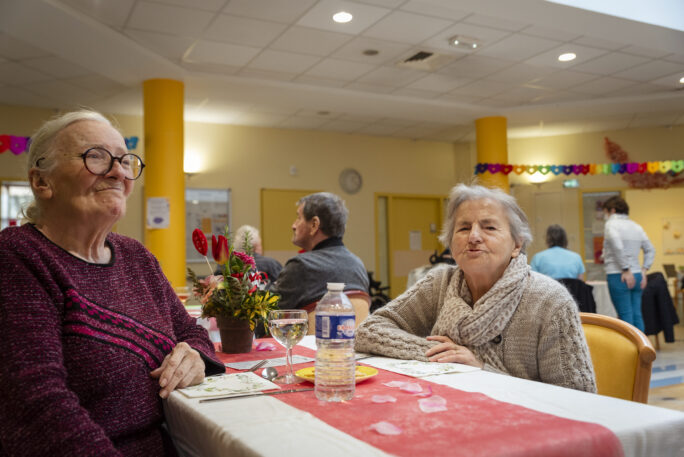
<point>663,166</point>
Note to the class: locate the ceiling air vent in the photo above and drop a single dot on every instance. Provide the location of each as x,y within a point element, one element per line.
<point>424,60</point>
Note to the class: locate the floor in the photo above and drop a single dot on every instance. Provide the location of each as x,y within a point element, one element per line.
<point>667,377</point>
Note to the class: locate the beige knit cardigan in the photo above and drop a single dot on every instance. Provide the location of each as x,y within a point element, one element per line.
<point>543,340</point>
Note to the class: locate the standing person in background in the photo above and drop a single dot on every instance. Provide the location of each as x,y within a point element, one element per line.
<point>266,264</point>
<point>557,261</point>
<point>319,227</point>
<point>622,241</point>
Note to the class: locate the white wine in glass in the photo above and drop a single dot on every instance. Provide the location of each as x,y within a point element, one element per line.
<point>288,327</point>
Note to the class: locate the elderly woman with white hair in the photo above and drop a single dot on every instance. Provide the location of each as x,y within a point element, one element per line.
<point>91,332</point>
<point>247,234</point>
<point>490,310</point>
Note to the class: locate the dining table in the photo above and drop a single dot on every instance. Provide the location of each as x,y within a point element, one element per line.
<point>468,412</point>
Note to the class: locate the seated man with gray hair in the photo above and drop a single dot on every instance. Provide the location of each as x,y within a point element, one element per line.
<point>268,265</point>
<point>319,227</point>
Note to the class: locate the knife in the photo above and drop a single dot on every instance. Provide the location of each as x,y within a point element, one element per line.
<point>260,394</point>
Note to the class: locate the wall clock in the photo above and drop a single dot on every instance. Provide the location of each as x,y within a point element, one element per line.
<point>350,180</point>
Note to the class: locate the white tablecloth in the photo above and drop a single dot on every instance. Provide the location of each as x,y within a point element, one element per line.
<point>604,305</point>
<point>268,427</point>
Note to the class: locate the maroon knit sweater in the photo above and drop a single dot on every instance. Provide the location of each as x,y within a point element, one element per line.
<point>77,344</point>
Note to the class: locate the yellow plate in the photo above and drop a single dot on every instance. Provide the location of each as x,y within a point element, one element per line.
<point>362,373</point>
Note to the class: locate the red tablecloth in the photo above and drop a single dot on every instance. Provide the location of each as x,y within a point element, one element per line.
<point>474,424</point>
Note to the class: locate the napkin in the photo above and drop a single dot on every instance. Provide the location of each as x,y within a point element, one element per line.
<point>416,368</point>
<point>228,384</point>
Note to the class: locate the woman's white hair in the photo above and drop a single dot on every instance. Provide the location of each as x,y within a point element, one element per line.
<point>240,240</point>
<point>517,220</point>
<point>41,151</point>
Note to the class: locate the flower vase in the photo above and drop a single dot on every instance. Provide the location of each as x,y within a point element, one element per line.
<point>236,336</point>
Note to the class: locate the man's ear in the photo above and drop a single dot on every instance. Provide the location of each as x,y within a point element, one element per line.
<point>315,224</point>
<point>41,187</point>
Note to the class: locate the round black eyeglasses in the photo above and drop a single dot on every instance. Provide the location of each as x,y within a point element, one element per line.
<point>100,161</point>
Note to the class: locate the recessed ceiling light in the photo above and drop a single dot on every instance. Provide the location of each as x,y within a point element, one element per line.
<point>681,80</point>
<point>464,42</point>
<point>342,17</point>
<point>567,57</point>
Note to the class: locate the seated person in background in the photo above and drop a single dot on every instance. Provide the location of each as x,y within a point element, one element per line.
<point>557,261</point>
<point>266,264</point>
<point>319,227</point>
<point>489,310</point>
<point>91,332</point>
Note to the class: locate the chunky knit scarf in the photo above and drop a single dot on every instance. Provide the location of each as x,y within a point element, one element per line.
<point>474,327</point>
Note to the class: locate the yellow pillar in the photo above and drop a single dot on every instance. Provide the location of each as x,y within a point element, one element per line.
<point>492,147</point>
<point>163,129</point>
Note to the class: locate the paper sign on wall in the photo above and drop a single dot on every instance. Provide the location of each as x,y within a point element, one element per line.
<point>415,240</point>
<point>158,212</point>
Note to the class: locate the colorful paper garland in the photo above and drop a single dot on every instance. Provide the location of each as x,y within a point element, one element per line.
<point>663,166</point>
<point>20,144</point>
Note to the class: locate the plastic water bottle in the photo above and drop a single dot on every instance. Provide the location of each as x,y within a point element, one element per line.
<point>335,362</point>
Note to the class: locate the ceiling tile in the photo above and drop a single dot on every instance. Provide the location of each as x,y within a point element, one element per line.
<point>495,22</point>
<point>306,40</point>
<point>522,94</point>
<point>387,51</point>
<point>639,89</point>
<point>209,5</point>
<point>644,52</point>
<point>270,10</point>
<point>427,9</point>
<point>392,77</point>
<point>482,88</point>
<point>461,98</point>
<point>564,79</point>
<point>245,31</point>
<point>602,85</point>
<point>320,16</point>
<point>611,63</point>
<point>550,57</point>
<point>415,93</point>
<point>550,33</point>
<point>14,49</point>
<point>599,43</point>
<point>54,66</point>
<point>497,103</point>
<point>438,83</point>
<point>379,129</point>
<point>675,58</point>
<point>265,74</point>
<point>170,46</point>
<point>651,70</point>
<point>366,119</point>
<point>300,122</point>
<point>365,87</point>
<point>485,35</point>
<point>221,53</point>
<point>110,12</point>
<point>209,67</point>
<point>96,84</point>
<point>14,73</point>
<point>316,81</point>
<point>520,74</point>
<point>557,96</point>
<point>671,81</point>
<point>518,47</point>
<point>474,66</point>
<point>260,119</point>
<point>285,62</point>
<point>175,20</point>
<point>406,27</point>
<point>339,69</point>
<point>62,91</point>
<point>385,3</point>
<point>338,125</point>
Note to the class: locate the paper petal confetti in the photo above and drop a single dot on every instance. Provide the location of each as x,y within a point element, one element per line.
<point>411,387</point>
<point>383,399</point>
<point>385,428</point>
<point>265,347</point>
<point>394,383</point>
<point>432,404</point>
<point>427,393</point>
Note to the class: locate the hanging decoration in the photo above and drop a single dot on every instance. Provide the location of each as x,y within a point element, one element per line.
<point>20,144</point>
<point>666,174</point>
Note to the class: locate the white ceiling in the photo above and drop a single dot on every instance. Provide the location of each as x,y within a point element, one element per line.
<point>285,63</point>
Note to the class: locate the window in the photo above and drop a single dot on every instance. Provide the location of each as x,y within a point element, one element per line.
<point>13,197</point>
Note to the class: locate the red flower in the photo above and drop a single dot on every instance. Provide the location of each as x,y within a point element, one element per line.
<point>219,249</point>
<point>200,241</point>
<point>246,259</point>
<point>252,290</point>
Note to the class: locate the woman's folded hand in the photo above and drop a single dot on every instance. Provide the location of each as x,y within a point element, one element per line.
<point>182,367</point>
<point>448,351</point>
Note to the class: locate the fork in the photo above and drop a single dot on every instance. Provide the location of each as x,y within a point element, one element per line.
<point>258,365</point>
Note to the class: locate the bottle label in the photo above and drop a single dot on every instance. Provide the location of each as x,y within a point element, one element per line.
<point>335,326</point>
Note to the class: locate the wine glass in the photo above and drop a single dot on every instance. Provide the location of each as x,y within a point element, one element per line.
<point>288,327</point>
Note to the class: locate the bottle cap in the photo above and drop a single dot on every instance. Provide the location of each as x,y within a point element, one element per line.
<point>336,286</point>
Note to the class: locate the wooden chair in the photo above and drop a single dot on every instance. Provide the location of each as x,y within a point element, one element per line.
<point>359,299</point>
<point>622,357</point>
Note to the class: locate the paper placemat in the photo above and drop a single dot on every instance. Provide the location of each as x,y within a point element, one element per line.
<point>417,369</point>
<point>228,384</point>
<point>275,362</point>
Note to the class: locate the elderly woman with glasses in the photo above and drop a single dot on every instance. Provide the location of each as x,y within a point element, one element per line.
<point>92,334</point>
<point>490,310</point>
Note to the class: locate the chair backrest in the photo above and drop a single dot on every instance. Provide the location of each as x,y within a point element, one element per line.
<point>359,299</point>
<point>622,357</point>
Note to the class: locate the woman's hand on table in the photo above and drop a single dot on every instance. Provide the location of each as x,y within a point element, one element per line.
<point>448,351</point>
<point>182,367</point>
